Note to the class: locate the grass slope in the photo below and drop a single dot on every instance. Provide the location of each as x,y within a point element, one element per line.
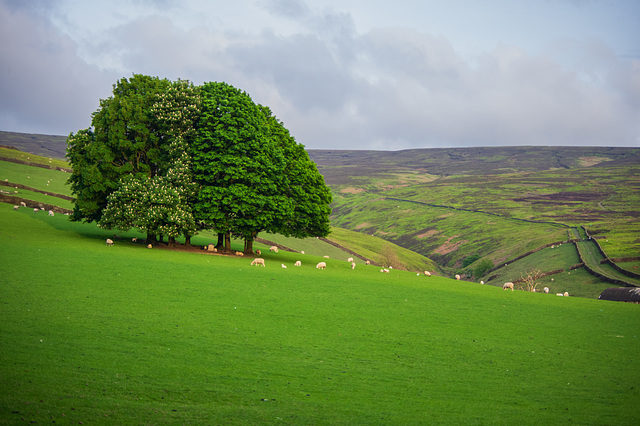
<point>124,334</point>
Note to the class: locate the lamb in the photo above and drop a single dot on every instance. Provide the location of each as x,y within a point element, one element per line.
<point>508,285</point>
<point>283,266</point>
<point>546,290</point>
<point>350,260</point>
<point>353,265</point>
<point>258,261</point>
<point>109,242</point>
<point>273,248</point>
<point>321,265</point>
<point>298,263</point>
<point>258,252</point>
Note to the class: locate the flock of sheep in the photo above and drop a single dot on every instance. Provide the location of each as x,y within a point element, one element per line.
<point>509,285</point>
<point>35,210</point>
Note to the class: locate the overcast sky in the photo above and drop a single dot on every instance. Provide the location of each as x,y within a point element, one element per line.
<point>343,74</point>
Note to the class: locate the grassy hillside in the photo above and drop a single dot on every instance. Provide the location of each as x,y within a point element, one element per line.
<point>123,334</point>
<point>53,146</point>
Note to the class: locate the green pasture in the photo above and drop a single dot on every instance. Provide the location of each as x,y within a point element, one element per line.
<point>31,158</point>
<point>129,335</point>
<point>36,177</point>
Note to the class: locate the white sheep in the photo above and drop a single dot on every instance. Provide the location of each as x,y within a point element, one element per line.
<point>427,273</point>
<point>239,253</point>
<point>23,204</point>
<point>546,290</point>
<point>386,271</point>
<point>508,285</point>
<point>16,207</point>
<point>50,212</point>
<point>36,210</point>
<point>350,260</point>
<point>149,246</point>
<point>109,242</point>
<point>298,263</point>
<point>283,266</point>
<point>368,262</point>
<point>258,261</point>
<point>481,282</point>
<point>321,265</point>
<point>559,294</point>
<point>302,252</point>
<point>566,294</point>
<point>273,248</point>
<point>326,257</point>
<point>457,277</point>
<point>353,265</point>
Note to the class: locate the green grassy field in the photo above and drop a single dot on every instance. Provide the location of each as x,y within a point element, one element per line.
<point>124,334</point>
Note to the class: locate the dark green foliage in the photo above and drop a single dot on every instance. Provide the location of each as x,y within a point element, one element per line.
<point>124,141</point>
<point>470,259</point>
<point>483,267</point>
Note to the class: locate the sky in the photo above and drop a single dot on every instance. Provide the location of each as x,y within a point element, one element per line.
<point>343,74</point>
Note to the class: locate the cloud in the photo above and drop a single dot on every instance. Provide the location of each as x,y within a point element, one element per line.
<point>383,87</point>
<point>44,87</point>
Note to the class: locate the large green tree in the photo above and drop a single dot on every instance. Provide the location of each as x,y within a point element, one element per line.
<point>253,176</point>
<point>237,166</point>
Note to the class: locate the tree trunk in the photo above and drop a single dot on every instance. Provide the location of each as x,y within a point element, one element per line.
<point>227,242</point>
<point>220,244</point>
<point>248,246</point>
<point>151,238</point>
<point>172,241</point>
<point>187,240</point>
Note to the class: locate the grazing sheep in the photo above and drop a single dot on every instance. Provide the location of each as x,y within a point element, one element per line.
<point>283,266</point>
<point>16,207</point>
<point>36,210</point>
<point>109,242</point>
<point>566,294</point>
<point>386,271</point>
<point>273,248</point>
<point>258,252</point>
<point>508,285</point>
<point>302,252</point>
<point>321,265</point>
<point>559,294</point>
<point>546,290</point>
<point>239,253</point>
<point>134,240</point>
<point>50,212</point>
<point>326,257</point>
<point>457,277</point>
<point>350,260</point>
<point>298,263</point>
<point>353,265</point>
<point>258,261</point>
<point>23,204</point>
<point>481,282</point>
<point>149,246</point>
<point>427,273</point>
<point>367,262</point>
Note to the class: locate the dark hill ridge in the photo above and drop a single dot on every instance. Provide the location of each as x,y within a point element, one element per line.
<point>45,145</point>
<point>341,167</point>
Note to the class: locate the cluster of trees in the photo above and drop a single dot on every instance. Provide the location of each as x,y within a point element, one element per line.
<point>170,159</point>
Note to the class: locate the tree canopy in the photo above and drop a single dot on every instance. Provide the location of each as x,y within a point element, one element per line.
<point>169,158</point>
